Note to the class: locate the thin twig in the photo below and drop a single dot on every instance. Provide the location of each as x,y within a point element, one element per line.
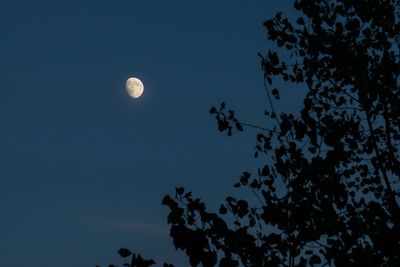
<point>257,127</point>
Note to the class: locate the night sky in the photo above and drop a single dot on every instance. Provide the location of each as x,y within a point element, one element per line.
<point>83,167</point>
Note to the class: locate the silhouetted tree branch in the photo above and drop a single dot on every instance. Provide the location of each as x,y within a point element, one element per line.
<point>328,194</point>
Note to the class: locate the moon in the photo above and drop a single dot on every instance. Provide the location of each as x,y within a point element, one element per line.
<point>134,87</point>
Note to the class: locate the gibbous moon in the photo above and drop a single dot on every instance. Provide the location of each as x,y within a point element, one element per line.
<point>134,87</point>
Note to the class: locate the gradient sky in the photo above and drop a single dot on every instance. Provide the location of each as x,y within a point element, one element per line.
<point>83,167</point>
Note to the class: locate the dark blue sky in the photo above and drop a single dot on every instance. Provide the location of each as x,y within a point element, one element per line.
<point>83,167</point>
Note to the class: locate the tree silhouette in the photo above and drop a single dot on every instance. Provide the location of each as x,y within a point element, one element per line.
<point>328,194</point>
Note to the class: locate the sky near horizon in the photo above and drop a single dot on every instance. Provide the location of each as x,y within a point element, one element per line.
<point>83,167</point>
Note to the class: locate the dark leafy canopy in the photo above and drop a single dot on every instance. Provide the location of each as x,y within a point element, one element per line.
<point>337,159</point>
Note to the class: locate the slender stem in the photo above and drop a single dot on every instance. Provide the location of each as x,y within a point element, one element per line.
<point>257,127</point>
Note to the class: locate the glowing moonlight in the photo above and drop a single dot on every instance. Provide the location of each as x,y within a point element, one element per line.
<point>134,87</point>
